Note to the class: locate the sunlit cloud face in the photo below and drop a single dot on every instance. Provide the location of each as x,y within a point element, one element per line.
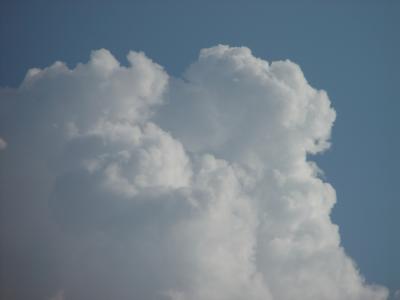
<point>125,183</point>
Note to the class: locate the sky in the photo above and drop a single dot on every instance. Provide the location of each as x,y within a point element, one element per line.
<point>196,116</point>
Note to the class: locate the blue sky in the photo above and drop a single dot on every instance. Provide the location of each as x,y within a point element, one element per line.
<point>350,49</point>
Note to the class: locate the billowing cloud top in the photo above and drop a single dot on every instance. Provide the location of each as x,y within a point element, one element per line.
<point>119,182</point>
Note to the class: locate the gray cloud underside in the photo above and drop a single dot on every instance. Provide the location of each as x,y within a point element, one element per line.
<point>120,182</point>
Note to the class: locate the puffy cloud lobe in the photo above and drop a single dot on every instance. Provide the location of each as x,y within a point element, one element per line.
<point>143,186</point>
<point>130,158</point>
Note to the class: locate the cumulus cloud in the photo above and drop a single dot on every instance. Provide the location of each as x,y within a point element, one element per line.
<point>126,183</point>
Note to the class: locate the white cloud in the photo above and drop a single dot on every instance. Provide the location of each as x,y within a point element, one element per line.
<point>165,188</point>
